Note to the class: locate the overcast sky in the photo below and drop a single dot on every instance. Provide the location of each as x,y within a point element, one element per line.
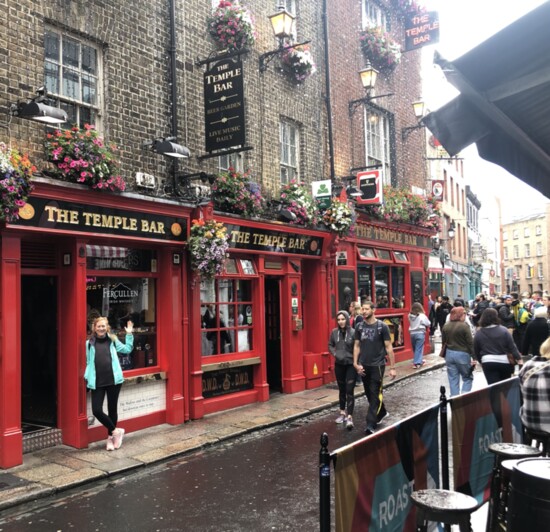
<point>463,25</point>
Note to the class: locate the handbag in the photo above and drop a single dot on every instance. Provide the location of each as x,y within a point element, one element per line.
<point>443,352</point>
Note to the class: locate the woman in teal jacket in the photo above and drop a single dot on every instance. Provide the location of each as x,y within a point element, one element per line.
<point>104,375</point>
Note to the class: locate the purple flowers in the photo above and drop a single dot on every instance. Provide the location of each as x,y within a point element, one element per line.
<point>379,47</point>
<point>298,63</point>
<point>236,193</point>
<point>207,246</point>
<point>15,182</point>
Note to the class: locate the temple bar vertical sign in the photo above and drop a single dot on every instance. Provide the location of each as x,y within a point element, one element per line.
<point>224,105</point>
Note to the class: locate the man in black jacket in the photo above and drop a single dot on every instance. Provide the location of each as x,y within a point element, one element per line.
<point>443,311</point>
<point>506,314</point>
<point>536,333</point>
<point>480,306</point>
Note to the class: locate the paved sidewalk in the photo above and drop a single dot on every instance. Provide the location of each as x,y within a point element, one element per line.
<point>49,471</point>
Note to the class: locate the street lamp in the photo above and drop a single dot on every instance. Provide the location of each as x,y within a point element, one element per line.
<point>418,108</point>
<point>368,78</point>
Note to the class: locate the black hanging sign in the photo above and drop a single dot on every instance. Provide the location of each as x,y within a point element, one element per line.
<point>421,29</point>
<point>224,105</point>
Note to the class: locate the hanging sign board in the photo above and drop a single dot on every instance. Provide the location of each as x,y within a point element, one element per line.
<point>322,192</point>
<point>438,189</point>
<point>421,29</point>
<point>224,123</point>
<point>370,185</point>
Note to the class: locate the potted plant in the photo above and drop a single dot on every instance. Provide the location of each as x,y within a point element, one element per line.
<point>207,246</point>
<point>296,198</point>
<point>81,156</point>
<point>380,48</point>
<point>15,182</point>
<point>236,193</point>
<point>340,217</point>
<point>231,26</point>
<point>402,205</point>
<point>298,63</point>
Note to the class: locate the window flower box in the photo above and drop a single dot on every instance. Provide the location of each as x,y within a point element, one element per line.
<point>380,49</point>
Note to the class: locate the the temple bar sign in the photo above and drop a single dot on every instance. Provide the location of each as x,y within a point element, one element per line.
<point>224,105</point>
<point>421,29</point>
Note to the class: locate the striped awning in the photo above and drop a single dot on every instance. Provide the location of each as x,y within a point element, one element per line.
<point>106,252</point>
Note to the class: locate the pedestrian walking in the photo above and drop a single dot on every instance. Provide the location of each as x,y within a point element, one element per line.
<point>104,375</point>
<point>457,335</point>
<point>372,346</point>
<point>493,343</point>
<point>442,311</point>
<point>536,333</point>
<point>340,345</point>
<point>418,325</point>
<point>534,380</point>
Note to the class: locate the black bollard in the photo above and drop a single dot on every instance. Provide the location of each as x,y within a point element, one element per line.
<point>444,439</point>
<point>324,484</point>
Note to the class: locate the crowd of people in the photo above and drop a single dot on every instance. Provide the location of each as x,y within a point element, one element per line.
<point>496,332</point>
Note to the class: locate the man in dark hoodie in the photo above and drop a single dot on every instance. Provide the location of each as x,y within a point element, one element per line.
<point>340,345</point>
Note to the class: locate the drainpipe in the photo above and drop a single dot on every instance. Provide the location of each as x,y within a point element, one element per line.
<point>173,85</point>
<point>327,93</point>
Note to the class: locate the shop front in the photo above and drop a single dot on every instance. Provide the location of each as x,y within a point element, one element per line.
<point>386,264</point>
<point>262,326</point>
<point>75,255</point>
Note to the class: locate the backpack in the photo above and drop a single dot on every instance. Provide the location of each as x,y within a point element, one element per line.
<point>523,316</point>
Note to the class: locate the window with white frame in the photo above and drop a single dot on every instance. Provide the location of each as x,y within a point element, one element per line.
<point>529,271</point>
<point>72,74</point>
<point>527,250</point>
<point>290,141</point>
<point>377,133</point>
<point>505,235</point>
<point>505,253</point>
<point>539,249</point>
<point>538,230</point>
<point>374,16</point>
<point>540,271</point>
<point>231,160</point>
<point>515,234</point>
<point>516,252</point>
<point>526,232</point>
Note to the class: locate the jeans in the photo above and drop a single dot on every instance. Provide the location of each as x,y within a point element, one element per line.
<point>417,340</point>
<point>98,396</point>
<point>458,365</point>
<point>345,377</point>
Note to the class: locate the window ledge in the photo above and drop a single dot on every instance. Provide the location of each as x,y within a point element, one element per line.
<point>140,379</point>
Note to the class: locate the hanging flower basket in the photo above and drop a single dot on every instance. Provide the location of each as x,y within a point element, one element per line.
<point>403,7</point>
<point>231,26</point>
<point>380,49</point>
<point>207,246</point>
<point>236,193</point>
<point>15,182</point>
<point>81,156</point>
<point>340,217</point>
<point>297,199</point>
<point>402,206</point>
<point>298,63</point>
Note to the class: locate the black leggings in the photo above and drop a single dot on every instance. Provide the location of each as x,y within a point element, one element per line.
<point>497,371</point>
<point>98,396</point>
<point>345,377</point>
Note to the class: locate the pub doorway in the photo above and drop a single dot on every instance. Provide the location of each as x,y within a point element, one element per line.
<point>38,352</point>
<point>273,334</point>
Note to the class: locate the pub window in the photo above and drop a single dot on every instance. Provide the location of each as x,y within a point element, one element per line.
<point>366,253</point>
<point>397,287</point>
<point>383,254</point>
<point>374,16</point>
<point>381,284</point>
<point>400,256</point>
<point>289,142</point>
<point>127,292</point>
<point>364,282</point>
<point>72,74</point>
<point>232,161</point>
<point>227,316</point>
<point>377,145</point>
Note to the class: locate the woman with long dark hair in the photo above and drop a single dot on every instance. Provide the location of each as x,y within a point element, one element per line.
<point>340,345</point>
<point>492,345</point>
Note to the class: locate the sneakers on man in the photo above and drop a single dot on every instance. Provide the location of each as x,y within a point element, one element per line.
<point>383,416</point>
<point>349,423</point>
<point>110,444</point>
<point>369,431</point>
<point>340,419</point>
<point>118,434</point>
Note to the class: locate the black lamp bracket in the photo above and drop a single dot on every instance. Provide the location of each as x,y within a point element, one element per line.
<point>354,104</point>
<point>406,131</point>
<point>266,58</point>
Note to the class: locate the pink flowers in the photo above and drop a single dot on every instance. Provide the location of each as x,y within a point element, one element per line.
<point>81,156</point>
<point>231,26</point>
<point>15,182</point>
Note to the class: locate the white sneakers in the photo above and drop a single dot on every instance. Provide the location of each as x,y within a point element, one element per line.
<point>118,434</point>
<point>115,440</point>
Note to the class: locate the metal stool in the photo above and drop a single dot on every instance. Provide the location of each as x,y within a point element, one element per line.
<point>443,506</point>
<point>503,451</point>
